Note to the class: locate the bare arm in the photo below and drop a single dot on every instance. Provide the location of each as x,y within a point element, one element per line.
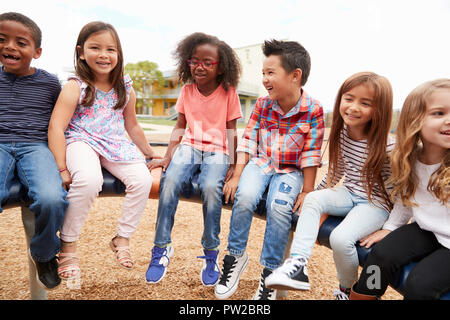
<point>61,115</point>
<point>309,177</point>
<point>230,187</point>
<point>232,145</point>
<point>175,139</point>
<point>134,129</point>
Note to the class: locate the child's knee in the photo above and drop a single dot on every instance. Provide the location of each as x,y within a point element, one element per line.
<point>211,188</point>
<point>88,181</point>
<point>246,198</point>
<point>46,198</point>
<point>141,182</point>
<point>281,206</point>
<point>340,241</point>
<point>312,201</point>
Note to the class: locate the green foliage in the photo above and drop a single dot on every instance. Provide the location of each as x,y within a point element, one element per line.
<point>144,74</point>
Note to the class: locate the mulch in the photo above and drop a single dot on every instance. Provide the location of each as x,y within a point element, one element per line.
<point>103,279</point>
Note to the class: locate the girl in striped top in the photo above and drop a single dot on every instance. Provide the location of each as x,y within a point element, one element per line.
<point>359,153</point>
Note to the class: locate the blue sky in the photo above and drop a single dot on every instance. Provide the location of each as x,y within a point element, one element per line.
<point>404,40</point>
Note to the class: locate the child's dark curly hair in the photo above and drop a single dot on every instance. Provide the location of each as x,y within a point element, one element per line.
<point>228,60</point>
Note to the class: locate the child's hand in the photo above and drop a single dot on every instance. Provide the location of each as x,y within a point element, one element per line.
<point>66,179</point>
<point>373,238</point>
<point>299,202</point>
<point>155,163</point>
<point>152,155</point>
<point>229,189</point>
<point>229,173</point>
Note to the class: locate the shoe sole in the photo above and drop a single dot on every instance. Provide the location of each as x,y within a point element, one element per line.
<point>165,270</point>
<point>37,275</point>
<point>234,287</point>
<point>287,284</point>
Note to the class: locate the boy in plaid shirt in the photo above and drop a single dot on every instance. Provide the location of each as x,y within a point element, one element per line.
<point>280,150</point>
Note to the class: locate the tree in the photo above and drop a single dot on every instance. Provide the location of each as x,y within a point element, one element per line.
<point>144,75</point>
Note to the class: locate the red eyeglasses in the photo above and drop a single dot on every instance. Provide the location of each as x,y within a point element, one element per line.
<point>193,63</point>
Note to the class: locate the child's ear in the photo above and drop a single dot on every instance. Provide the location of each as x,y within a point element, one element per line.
<point>37,53</point>
<point>297,75</point>
<point>80,52</point>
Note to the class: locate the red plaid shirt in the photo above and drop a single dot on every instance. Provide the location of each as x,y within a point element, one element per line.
<point>284,142</point>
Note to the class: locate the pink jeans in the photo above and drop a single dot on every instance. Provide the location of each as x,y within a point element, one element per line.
<point>84,165</point>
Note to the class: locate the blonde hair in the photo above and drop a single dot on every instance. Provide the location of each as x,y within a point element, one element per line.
<point>409,146</point>
<point>377,130</point>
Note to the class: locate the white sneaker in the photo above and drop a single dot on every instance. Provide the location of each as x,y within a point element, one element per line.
<point>292,275</point>
<point>340,295</point>
<point>231,273</point>
<point>264,293</point>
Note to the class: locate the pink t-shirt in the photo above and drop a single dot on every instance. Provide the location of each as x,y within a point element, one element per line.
<point>207,117</point>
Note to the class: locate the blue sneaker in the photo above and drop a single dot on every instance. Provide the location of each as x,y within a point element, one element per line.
<point>210,272</point>
<point>158,264</point>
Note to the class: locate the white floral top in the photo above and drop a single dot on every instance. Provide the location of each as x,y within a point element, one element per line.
<point>102,127</point>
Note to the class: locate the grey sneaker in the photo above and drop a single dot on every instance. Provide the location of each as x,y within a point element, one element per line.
<point>231,273</point>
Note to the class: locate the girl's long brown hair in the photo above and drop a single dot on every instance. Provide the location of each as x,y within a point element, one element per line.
<point>377,132</point>
<point>409,146</point>
<point>84,72</point>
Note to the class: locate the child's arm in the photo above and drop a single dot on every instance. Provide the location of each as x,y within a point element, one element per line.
<point>310,156</point>
<point>247,149</point>
<point>134,129</point>
<point>230,187</point>
<point>309,177</point>
<point>232,145</point>
<point>175,139</point>
<point>399,216</point>
<point>62,113</point>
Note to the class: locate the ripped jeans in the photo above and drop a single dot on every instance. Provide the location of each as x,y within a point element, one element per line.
<point>283,191</point>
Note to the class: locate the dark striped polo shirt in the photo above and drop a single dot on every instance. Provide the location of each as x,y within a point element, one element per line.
<point>26,104</point>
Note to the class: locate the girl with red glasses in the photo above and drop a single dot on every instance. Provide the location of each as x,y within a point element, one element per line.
<point>209,105</point>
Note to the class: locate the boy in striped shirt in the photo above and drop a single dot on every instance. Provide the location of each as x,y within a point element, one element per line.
<point>27,98</point>
<point>279,152</point>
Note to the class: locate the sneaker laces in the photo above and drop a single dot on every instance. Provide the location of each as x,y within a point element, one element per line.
<point>291,265</point>
<point>339,295</point>
<point>264,292</point>
<point>228,266</point>
<point>157,254</point>
<point>211,262</point>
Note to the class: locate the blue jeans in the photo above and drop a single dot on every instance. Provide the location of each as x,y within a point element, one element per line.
<point>282,194</point>
<point>185,163</point>
<point>37,171</point>
<point>361,219</point>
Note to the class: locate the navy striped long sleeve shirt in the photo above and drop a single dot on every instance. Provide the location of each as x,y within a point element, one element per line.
<point>26,104</point>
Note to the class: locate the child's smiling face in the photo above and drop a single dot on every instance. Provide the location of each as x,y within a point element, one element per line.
<point>205,76</point>
<point>435,130</point>
<point>356,109</point>
<point>100,53</point>
<point>17,48</point>
<point>282,86</point>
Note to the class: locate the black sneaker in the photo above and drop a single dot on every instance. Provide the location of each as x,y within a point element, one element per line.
<point>292,275</point>
<point>264,293</point>
<point>47,273</point>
